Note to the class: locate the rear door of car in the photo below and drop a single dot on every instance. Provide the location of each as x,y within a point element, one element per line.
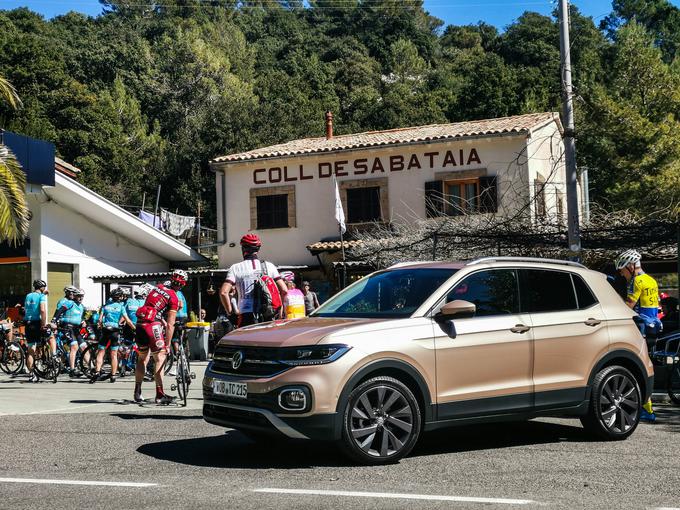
<point>569,331</point>
<point>486,367</point>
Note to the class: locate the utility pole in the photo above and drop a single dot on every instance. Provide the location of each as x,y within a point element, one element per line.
<point>569,142</point>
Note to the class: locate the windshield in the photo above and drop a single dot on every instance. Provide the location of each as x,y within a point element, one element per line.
<point>388,294</point>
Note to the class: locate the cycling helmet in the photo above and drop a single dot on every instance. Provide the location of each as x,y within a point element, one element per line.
<point>288,276</point>
<point>145,289</point>
<point>251,242</point>
<point>39,284</point>
<point>70,289</point>
<point>179,277</point>
<point>79,292</point>
<point>117,293</point>
<point>626,258</point>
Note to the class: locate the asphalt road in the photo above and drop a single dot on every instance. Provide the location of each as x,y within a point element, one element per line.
<point>192,464</point>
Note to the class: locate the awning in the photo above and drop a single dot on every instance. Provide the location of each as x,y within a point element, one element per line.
<point>163,275</point>
<point>331,246</point>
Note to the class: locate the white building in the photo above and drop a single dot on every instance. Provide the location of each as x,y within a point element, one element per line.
<point>285,192</point>
<point>76,234</point>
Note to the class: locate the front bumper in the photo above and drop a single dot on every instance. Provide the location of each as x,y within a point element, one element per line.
<point>320,427</point>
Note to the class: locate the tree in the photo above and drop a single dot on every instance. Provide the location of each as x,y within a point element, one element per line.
<point>13,207</point>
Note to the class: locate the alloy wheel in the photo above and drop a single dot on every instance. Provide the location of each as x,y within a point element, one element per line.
<point>619,403</point>
<point>381,421</point>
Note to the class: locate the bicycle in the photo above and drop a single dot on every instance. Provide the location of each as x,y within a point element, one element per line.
<point>12,356</point>
<point>184,373</point>
<point>45,365</point>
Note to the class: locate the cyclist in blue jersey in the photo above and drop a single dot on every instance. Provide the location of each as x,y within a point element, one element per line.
<point>69,316</point>
<point>180,321</point>
<point>132,304</point>
<point>35,317</point>
<point>110,318</point>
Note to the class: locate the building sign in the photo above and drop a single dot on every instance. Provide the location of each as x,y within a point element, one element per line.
<point>368,166</point>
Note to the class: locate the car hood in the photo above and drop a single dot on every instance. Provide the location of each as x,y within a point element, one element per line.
<point>292,332</point>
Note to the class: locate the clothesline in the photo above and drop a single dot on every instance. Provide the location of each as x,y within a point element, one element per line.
<point>174,224</point>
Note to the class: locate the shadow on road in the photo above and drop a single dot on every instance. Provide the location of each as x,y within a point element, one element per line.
<point>667,417</point>
<point>140,416</point>
<point>235,450</point>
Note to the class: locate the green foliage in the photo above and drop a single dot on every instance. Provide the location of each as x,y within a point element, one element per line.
<point>144,95</point>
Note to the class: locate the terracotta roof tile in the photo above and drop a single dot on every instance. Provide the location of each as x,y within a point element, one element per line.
<point>510,125</point>
<point>331,246</point>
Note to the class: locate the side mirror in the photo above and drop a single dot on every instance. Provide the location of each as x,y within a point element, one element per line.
<point>457,308</point>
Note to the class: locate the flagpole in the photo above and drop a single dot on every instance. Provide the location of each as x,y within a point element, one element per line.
<point>344,266</point>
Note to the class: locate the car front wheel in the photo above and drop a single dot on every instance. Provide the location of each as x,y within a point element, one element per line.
<point>381,421</point>
<point>615,403</point>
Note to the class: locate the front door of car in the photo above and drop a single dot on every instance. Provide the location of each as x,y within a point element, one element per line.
<point>570,334</point>
<point>485,366</point>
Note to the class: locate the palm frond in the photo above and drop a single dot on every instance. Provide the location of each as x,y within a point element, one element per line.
<point>9,93</point>
<point>14,212</point>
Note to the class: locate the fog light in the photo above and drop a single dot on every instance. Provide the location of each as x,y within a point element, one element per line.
<point>293,399</point>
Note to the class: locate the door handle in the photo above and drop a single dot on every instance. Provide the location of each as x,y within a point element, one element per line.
<point>520,328</point>
<point>592,322</point>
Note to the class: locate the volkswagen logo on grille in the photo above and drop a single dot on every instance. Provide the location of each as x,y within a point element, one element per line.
<point>237,360</point>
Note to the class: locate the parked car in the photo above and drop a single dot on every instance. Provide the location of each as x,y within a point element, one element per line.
<point>420,346</point>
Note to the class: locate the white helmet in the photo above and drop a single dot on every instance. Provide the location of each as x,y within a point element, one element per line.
<point>70,289</point>
<point>145,289</point>
<point>626,258</point>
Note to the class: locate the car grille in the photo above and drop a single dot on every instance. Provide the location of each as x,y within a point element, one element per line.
<point>257,361</point>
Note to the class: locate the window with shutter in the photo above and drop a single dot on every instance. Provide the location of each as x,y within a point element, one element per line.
<point>488,194</point>
<point>434,205</point>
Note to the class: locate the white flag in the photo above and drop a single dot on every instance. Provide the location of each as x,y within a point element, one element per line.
<point>339,211</point>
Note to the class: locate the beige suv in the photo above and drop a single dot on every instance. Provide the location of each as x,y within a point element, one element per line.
<point>421,346</point>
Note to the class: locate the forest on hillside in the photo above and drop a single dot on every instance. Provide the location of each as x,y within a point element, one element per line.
<point>148,92</point>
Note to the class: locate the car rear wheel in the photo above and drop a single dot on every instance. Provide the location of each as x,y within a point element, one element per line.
<point>381,421</point>
<point>615,404</point>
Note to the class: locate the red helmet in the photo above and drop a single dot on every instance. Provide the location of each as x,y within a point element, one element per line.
<point>251,241</point>
<point>179,277</point>
<point>663,295</point>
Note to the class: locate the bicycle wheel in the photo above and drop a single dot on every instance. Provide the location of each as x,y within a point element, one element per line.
<point>87,360</point>
<point>41,361</point>
<point>674,384</point>
<point>12,358</point>
<point>182,379</point>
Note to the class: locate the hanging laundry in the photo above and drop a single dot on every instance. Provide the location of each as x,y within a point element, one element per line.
<point>176,225</point>
<point>152,220</point>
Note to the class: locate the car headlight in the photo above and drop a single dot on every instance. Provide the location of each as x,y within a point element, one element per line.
<point>313,354</point>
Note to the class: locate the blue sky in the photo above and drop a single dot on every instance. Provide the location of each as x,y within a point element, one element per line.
<point>459,12</point>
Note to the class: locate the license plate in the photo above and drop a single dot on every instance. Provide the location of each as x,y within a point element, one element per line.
<point>230,389</point>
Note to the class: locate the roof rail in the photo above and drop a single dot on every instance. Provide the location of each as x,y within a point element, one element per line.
<point>407,264</point>
<point>526,259</point>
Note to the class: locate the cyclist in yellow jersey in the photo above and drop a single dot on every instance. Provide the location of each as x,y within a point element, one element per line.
<point>643,296</point>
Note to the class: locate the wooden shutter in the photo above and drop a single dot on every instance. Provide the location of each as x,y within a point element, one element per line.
<point>488,194</point>
<point>434,195</point>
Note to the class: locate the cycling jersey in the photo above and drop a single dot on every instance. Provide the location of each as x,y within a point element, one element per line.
<point>112,313</point>
<point>32,306</point>
<point>159,301</point>
<point>643,289</point>
<point>294,304</point>
<point>243,275</point>
<point>182,313</point>
<point>69,312</point>
<point>131,307</point>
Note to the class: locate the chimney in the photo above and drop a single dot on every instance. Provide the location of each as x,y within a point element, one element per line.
<point>329,125</point>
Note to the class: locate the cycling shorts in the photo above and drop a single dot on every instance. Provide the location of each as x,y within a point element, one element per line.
<point>73,336</point>
<point>34,333</point>
<point>110,337</point>
<point>150,335</point>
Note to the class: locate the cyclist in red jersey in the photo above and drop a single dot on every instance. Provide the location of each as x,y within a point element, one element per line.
<point>150,333</point>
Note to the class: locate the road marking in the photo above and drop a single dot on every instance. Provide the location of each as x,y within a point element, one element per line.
<point>390,495</point>
<point>77,482</point>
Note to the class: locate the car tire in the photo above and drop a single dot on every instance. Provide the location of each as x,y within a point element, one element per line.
<point>381,421</point>
<point>615,403</point>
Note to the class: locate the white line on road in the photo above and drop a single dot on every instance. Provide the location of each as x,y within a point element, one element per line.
<point>390,495</point>
<point>77,482</point>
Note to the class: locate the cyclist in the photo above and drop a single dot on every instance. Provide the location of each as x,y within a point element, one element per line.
<point>110,316</point>
<point>69,315</point>
<point>35,317</point>
<point>643,296</point>
<point>132,304</point>
<point>294,303</point>
<point>180,322</point>
<point>151,335</point>
<point>243,276</point>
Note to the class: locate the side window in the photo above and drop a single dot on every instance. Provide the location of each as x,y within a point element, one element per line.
<point>584,296</point>
<point>547,291</point>
<point>494,292</point>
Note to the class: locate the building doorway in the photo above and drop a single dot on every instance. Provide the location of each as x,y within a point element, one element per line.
<point>58,277</point>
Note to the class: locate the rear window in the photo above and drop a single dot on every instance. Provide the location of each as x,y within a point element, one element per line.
<point>584,296</point>
<point>547,291</point>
